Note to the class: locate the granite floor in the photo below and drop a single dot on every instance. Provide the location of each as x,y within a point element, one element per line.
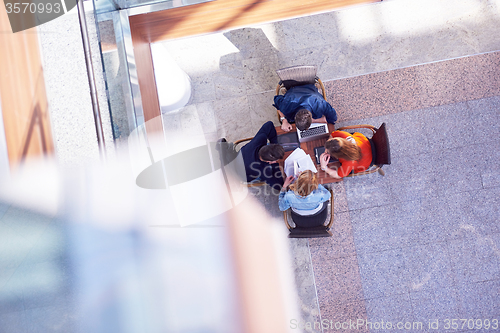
<point>422,243</point>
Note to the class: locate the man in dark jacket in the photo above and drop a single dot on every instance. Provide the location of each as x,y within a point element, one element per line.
<point>293,107</point>
<point>261,158</point>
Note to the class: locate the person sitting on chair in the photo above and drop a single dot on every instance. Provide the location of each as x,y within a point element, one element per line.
<point>305,196</point>
<point>306,103</point>
<point>261,159</point>
<point>354,153</point>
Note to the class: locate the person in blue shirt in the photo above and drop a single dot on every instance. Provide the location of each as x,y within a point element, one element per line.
<point>303,105</point>
<point>261,159</point>
<point>305,196</point>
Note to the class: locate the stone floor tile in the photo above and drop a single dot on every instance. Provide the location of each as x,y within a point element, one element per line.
<point>348,317</point>
<point>403,224</point>
<point>337,280</point>
<point>461,170</point>
<point>475,258</point>
<point>339,197</point>
<point>341,244</point>
<point>479,300</point>
<point>307,33</point>
<point>435,304</point>
<point>229,81</point>
<point>251,43</point>
<point>229,118</point>
<point>304,280</point>
<point>203,89</point>
<point>368,191</point>
<point>383,273</point>
<point>485,118</point>
<point>485,209</point>
<point>370,230</point>
<point>448,126</point>
<point>385,313</point>
<point>260,74</point>
<point>489,154</point>
<point>429,267</point>
<point>472,213</point>
<point>262,109</point>
<point>405,133</point>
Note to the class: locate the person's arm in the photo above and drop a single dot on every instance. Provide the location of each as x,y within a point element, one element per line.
<point>329,113</point>
<point>320,120</point>
<point>267,132</point>
<point>324,158</point>
<point>285,125</point>
<point>282,201</point>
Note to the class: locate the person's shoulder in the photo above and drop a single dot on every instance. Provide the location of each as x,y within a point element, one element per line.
<point>340,134</point>
<point>359,135</point>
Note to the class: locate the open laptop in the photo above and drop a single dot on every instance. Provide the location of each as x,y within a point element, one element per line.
<point>314,132</point>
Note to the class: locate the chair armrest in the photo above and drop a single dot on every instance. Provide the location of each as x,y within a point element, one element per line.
<point>241,141</point>
<point>373,128</point>
<point>332,209</point>
<point>285,217</point>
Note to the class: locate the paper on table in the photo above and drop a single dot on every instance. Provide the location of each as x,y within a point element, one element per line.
<point>297,162</point>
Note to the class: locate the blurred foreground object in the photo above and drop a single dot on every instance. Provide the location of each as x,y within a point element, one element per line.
<point>85,249</point>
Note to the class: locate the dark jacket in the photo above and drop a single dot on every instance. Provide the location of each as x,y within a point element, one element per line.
<point>304,97</point>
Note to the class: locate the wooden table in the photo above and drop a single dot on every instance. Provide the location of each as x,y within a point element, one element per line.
<point>308,147</point>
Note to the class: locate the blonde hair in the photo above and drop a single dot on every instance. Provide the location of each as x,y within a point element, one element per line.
<point>306,183</point>
<point>342,148</point>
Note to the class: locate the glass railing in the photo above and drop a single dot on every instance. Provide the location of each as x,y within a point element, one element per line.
<point>112,18</point>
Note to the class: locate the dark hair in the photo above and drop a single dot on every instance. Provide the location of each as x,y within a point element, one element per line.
<point>303,119</point>
<point>342,148</point>
<point>271,152</point>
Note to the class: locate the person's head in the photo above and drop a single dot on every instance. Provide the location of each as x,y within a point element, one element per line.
<point>306,183</point>
<point>342,148</point>
<point>303,119</point>
<point>271,153</point>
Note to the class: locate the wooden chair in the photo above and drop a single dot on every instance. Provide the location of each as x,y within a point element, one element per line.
<point>312,226</point>
<point>298,75</point>
<point>381,152</point>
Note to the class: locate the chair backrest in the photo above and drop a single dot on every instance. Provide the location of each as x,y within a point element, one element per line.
<point>297,75</point>
<point>381,142</point>
<point>310,226</point>
<point>310,221</point>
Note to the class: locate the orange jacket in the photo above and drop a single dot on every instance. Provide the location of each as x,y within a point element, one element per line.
<point>366,154</point>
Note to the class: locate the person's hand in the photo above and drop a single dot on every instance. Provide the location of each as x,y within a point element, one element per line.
<point>324,159</point>
<point>285,126</point>
<point>288,181</point>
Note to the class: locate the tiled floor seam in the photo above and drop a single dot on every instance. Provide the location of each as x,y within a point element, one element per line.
<point>415,87</point>
<point>314,279</point>
<point>412,66</point>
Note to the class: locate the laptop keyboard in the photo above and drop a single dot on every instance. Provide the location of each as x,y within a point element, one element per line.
<point>312,131</point>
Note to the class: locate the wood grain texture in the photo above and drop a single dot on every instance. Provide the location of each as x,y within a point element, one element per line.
<point>22,90</point>
<point>226,14</point>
